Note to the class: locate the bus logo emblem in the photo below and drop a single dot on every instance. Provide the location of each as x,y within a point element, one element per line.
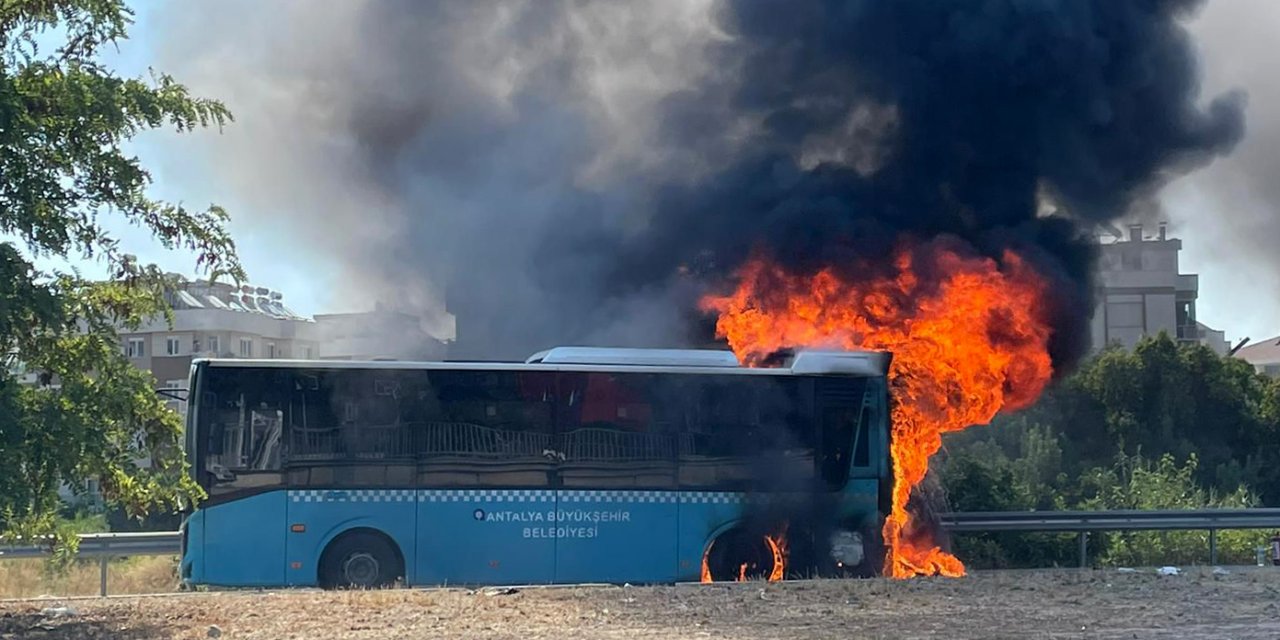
<point>478,514</point>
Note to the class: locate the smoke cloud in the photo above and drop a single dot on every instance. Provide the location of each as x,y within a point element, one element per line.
<point>1229,213</point>
<point>557,171</point>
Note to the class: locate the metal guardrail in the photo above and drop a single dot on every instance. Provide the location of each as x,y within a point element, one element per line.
<point>104,547</point>
<point>1173,520</point>
<point>1085,522</point>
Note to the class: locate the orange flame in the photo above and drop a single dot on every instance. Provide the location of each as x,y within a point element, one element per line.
<point>777,545</point>
<point>966,342</point>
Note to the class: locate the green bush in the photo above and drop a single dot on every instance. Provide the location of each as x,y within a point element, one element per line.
<point>1136,483</point>
<point>1042,459</point>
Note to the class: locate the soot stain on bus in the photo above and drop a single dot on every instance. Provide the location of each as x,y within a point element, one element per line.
<point>792,517</point>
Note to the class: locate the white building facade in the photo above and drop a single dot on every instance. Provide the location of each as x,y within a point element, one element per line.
<point>1142,293</point>
<point>218,320</point>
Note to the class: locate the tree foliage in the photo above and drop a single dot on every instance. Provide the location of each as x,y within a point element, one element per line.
<point>1138,483</point>
<point>71,406</point>
<point>1162,426</point>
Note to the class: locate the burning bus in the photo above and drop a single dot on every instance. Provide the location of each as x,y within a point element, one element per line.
<point>577,465</point>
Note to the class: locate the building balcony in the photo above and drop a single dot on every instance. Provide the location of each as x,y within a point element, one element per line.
<point>1190,332</point>
<point>1189,283</point>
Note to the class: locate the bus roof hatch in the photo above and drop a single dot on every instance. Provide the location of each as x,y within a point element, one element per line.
<point>637,357</point>
<point>866,363</point>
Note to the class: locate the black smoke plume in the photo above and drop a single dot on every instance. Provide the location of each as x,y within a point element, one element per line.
<point>930,118</point>
<point>579,173</point>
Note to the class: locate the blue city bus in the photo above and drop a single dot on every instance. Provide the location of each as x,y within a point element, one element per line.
<point>579,465</point>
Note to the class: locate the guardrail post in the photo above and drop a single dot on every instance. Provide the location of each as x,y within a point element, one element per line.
<point>102,568</point>
<point>1084,549</point>
<point>1213,547</point>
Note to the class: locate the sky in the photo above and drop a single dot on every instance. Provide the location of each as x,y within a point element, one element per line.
<point>268,251</point>
<point>1228,215</point>
<point>1225,214</point>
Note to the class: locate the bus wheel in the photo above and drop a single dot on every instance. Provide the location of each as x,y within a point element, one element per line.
<point>360,560</point>
<point>737,555</point>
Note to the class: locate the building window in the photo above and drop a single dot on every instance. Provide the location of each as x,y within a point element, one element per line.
<point>271,350</point>
<point>137,348</point>
<point>213,345</point>
<point>1131,260</point>
<point>172,346</point>
<point>308,352</point>
<point>246,348</point>
<point>1272,370</point>
<point>1125,315</point>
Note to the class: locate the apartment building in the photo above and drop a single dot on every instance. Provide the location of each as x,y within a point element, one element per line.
<point>219,320</point>
<point>1143,292</point>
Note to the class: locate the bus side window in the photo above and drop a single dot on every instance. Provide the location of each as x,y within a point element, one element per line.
<point>209,407</point>
<point>734,425</point>
<point>615,402</point>
<point>489,428</point>
<point>243,422</point>
<point>312,425</point>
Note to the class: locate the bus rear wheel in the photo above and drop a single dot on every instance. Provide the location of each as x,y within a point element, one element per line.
<point>737,556</point>
<point>360,560</point>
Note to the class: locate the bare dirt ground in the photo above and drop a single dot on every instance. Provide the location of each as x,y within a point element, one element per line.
<point>1031,604</point>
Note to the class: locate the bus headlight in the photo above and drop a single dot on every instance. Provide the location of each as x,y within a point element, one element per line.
<point>846,548</point>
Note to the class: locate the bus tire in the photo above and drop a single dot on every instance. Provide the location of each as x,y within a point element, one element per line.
<point>360,559</point>
<point>738,554</point>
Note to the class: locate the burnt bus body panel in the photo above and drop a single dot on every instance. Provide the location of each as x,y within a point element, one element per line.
<point>517,473</point>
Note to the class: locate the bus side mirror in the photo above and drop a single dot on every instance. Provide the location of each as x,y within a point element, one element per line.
<point>172,393</point>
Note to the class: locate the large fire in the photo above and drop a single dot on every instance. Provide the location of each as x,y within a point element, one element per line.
<point>968,337</point>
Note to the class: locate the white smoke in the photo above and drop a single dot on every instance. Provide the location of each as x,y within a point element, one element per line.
<point>417,144</point>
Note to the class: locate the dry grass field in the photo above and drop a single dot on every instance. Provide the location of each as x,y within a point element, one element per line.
<point>1024,604</point>
<point>31,578</point>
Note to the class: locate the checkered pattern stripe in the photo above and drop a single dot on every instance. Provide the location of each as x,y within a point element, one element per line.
<point>618,496</point>
<point>351,495</point>
<point>486,495</point>
<point>569,495</point>
<point>712,497</point>
<point>515,495</point>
